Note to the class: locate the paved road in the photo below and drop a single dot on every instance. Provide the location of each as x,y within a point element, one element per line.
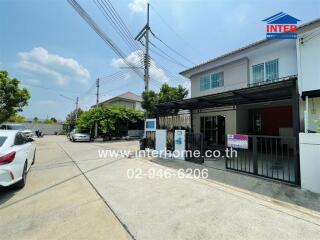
<point>143,208</point>
<point>57,202</point>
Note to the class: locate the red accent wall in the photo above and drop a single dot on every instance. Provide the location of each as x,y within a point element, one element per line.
<point>274,118</point>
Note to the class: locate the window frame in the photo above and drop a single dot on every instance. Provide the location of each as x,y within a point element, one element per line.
<point>205,83</point>
<point>253,73</point>
<point>277,68</point>
<point>219,80</point>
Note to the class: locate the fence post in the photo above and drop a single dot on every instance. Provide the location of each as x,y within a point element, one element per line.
<point>255,154</point>
<point>296,163</point>
<point>202,148</point>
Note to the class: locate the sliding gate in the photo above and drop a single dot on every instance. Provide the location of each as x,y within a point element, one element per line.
<point>268,156</point>
<point>194,147</point>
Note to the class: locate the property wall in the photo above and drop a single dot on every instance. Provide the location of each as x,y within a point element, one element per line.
<point>308,54</point>
<point>47,129</point>
<point>310,161</point>
<point>228,113</point>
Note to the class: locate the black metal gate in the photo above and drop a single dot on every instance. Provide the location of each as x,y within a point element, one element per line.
<point>151,139</point>
<point>268,156</point>
<point>170,140</point>
<point>194,147</point>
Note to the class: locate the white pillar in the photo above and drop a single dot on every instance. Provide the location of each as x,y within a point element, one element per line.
<point>306,116</point>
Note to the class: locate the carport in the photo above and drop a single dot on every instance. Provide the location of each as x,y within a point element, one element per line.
<point>266,153</point>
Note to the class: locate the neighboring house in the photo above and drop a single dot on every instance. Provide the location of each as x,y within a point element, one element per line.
<point>133,101</point>
<point>257,90</point>
<point>128,99</point>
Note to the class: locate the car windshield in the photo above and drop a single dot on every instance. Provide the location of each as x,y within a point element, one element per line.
<point>17,127</point>
<point>79,131</point>
<point>2,140</point>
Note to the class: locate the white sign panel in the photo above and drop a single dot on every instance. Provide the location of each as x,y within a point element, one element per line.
<point>161,139</point>
<point>179,144</point>
<point>151,124</point>
<point>238,141</point>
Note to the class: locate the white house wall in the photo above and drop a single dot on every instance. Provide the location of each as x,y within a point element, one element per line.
<point>238,70</point>
<point>308,55</point>
<point>235,77</point>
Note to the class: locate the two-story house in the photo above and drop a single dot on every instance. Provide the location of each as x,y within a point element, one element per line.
<point>127,99</point>
<point>257,91</point>
<point>252,90</point>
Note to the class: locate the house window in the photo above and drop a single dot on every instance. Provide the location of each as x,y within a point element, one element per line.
<point>272,70</point>
<point>217,80</point>
<point>258,73</point>
<point>204,83</point>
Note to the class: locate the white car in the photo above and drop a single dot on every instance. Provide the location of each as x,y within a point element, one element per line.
<point>76,135</point>
<point>14,126</point>
<point>17,154</point>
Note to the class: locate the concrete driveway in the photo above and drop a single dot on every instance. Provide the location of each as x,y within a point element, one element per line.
<point>148,208</point>
<point>57,203</point>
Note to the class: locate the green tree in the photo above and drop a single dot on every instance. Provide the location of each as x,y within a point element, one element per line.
<point>71,118</point>
<point>111,119</point>
<point>17,119</point>
<point>167,94</point>
<point>149,101</point>
<point>35,120</point>
<point>12,98</point>
<point>53,120</point>
<point>50,121</point>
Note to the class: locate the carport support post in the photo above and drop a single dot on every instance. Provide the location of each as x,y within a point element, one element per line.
<point>191,120</point>
<point>296,128</point>
<point>255,155</point>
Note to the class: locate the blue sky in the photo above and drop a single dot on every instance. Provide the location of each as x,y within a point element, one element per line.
<point>46,45</point>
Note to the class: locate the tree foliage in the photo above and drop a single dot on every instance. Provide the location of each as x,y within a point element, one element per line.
<point>71,118</point>
<point>167,94</point>
<point>149,101</point>
<point>50,121</point>
<point>12,98</point>
<point>17,119</point>
<point>109,118</point>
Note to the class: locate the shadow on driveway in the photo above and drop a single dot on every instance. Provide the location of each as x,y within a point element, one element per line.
<point>268,188</point>
<point>6,194</point>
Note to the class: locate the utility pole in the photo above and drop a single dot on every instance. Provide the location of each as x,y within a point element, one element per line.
<point>145,33</point>
<point>77,106</point>
<point>97,104</point>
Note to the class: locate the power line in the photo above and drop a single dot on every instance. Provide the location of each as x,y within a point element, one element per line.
<point>176,52</point>
<point>101,34</point>
<point>167,56</point>
<point>49,89</point>
<point>172,29</point>
<point>109,15</point>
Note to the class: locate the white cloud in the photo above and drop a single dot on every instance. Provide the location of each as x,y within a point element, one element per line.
<point>33,81</point>
<point>135,59</point>
<point>138,6</point>
<point>40,62</point>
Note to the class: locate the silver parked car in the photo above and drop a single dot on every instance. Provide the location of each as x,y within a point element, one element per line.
<point>21,128</point>
<point>78,136</point>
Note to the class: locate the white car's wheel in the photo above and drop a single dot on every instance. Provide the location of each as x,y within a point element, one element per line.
<point>23,181</point>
